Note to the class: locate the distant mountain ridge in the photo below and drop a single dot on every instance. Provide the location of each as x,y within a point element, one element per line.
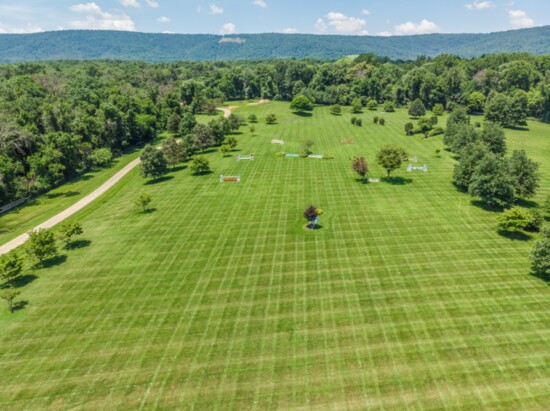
<point>119,45</point>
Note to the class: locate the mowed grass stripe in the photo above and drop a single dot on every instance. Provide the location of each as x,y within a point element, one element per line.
<point>219,299</point>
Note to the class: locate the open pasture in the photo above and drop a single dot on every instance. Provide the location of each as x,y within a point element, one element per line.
<point>217,298</point>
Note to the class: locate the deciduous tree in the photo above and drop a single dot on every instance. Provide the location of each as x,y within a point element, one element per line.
<point>153,163</point>
<point>360,166</point>
<point>41,244</point>
<point>391,157</point>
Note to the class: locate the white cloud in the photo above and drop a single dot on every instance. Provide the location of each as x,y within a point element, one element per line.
<point>30,28</point>
<point>345,24</point>
<point>289,30</point>
<point>163,19</point>
<point>152,3</point>
<point>260,3</point>
<point>228,28</point>
<point>480,5</point>
<point>520,19</point>
<point>384,34</point>
<point>130,3</point>
<point>365,12</point>
<point>97,19</point>
<point>424,27</point>
<point>215,9</point>
<point>321,26</point>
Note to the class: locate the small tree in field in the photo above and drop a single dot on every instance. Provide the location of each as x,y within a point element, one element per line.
<point>311,214</point>
<point>360,166</point>
<point>382,121</point>
<point>69,230</point>
<point>417,108</point>
<point>225,149</point>
<point>372,104</point>
<point>514,219</point>
<point>200,165</point>
<point>438,152</point>
<point>438,109</point>
<point>307,146</point>
<point>252,118</point>
<point>231,142</point>
<point>143,201</point>
<point>391,157</point>
<point>356,105</point>
<point>540,254</point>
<point>358,122</point>
<point>9,294</point>
<point>409,127</point>
<point>271,119</point>
<point>300,104</point>
<point>336,109</point>
<point>11,265</point>
<point>41,244</point>
<point>389,107</point>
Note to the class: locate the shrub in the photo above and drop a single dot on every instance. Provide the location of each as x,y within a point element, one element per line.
<point>409,127</point>
<point>353,120</point>
<point>514,219</point>
<point>336,109</point>
<point>436,131</point>
<point>375,119</point>
<point>252,118</point>
<point>438,109</point>
<point>359,122</point>
<point>271,119</point>
<point>382,121</point>
<point>200,165</point>
<point>389,107</point>
<point>372,105</point>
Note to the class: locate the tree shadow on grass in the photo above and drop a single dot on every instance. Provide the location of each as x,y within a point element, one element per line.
<point>302,114</point>
<point>20,305</point>
<point>20,281</point>
<point>53,262</point>
<point>526,203</point>
<point>397,181</point>
<point>177,168</point>
<point>159,180</point>
<point>485,207</point>
<point>65,194</point>
<point>514,235</point>
<point>204,173</point>
<point>149,211</point>
<point>541,276</point>
<point>75,245</point>
<point>519,128</point>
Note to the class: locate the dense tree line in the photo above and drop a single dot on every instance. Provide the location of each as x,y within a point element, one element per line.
<point>60,118</point>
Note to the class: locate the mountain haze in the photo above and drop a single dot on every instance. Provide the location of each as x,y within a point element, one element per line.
<point>86,45</point>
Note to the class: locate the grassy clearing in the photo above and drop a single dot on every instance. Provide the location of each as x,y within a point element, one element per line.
<point>219,299</point>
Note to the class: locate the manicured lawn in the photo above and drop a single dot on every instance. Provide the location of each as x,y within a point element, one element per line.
<point>407,298</point>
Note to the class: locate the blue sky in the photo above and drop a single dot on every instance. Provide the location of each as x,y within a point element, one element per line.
<point>360,17</point>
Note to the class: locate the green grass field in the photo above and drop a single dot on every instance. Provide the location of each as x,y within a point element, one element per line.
<point>218,299</point>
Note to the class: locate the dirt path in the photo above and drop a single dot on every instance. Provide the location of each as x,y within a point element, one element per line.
<point>16,242</point>
<point>226,111</point>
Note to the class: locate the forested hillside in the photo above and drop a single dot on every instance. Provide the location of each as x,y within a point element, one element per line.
<point>87,45</point>
<point>60,118</point>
